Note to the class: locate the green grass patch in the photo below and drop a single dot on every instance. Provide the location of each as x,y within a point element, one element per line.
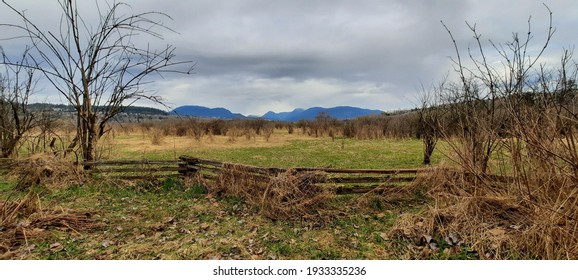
<point>172,219</point>
<point>175,221</point>
<point>346,153</point>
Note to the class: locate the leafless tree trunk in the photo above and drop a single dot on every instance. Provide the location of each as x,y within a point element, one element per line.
<point>98,69</point>
<point>429,120</point>
<point>16,86</point>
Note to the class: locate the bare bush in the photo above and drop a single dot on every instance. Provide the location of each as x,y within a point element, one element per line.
<point>267,131</point>
<point>518,122</point>
<point>233,134</point>
<point>157,137</point>
<point>197,129</point>
<point>16,119</point>
<point>429,116</point>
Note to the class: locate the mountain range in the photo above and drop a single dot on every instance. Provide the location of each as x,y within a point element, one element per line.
<point>340,113</point>
<point>204,112</point>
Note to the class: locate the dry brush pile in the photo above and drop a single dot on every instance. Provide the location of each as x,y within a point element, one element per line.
<point>25,220</point>
<point>287,196</point>
<point>46,171</point>
<point>494,219</point>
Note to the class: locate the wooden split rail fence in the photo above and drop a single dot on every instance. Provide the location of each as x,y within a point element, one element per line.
<point>5,165</point>
<point>137,169</point>
<point>343,181</point>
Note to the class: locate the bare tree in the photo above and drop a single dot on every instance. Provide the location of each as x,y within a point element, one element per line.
<point>476,101</point>
<point>429,119</point>
<point>16,86</point>
<point>98,69</point>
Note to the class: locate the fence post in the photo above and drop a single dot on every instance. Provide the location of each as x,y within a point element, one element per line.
<point>189,164</point>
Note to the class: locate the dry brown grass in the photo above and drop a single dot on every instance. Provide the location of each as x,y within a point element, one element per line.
<point>135,143</point>
<point>287,196</point>
<point>496,220</point>
<point>48,171</point>
<point>25,220</point>
<point>157,137</point>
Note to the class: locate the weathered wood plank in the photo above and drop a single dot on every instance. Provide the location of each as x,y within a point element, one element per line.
<point>144,177</point>
<point>359,180</point>
<point>360,189</point>
<point>273,170</point>
<point>138,169</point>
<point>132,162</point>
<point>208,168</point>
<point>362,171</point>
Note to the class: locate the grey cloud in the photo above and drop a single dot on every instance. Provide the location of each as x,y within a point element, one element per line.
<point>259,55</point>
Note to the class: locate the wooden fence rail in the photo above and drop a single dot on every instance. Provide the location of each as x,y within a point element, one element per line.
<point>137,169</point>
<point>342,181</point>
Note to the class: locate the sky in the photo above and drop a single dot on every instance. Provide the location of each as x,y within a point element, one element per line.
<point>254,56</point>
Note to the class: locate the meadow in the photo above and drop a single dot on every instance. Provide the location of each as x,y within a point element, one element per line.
<point>446,213</point>
<point>175,219</point>
<point>282,150</point>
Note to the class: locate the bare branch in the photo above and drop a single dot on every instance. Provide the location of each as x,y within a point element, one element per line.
<point>99,66</point>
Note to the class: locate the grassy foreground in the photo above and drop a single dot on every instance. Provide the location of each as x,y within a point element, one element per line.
<point>172,219</point>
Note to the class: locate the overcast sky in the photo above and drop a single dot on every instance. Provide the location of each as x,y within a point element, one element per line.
<point>258,55</point>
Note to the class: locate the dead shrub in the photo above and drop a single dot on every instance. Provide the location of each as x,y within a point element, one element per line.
<point>249,133</point>
<point>232,135</point>
<point>157,137</point>
<point>47,170</point>
<point>295,195</point>
<point>181,130</point>
<point>197,129</point>
<point>496,220</point>
<point>268,130</point>
<point>286,196</point>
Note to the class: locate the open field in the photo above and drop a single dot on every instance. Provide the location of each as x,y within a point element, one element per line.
<point>171,219</point>
<point>499,149</point>
<point>282,150</point>
<point>67,215</point>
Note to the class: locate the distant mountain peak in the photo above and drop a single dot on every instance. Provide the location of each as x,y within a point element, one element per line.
<point>205,112</point>
<point>339,112</point>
